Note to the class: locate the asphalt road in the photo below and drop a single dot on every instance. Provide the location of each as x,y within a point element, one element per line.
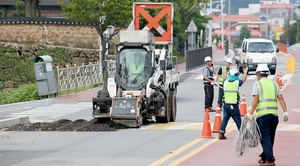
<point>153,144</point>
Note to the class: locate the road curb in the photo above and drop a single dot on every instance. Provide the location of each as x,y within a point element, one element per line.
<point>35,103</point>
<point>10,121</point>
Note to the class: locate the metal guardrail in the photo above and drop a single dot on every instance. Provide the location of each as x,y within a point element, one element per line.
<point>82,76</point>
<point>195,58</point>
<point>78,77</point>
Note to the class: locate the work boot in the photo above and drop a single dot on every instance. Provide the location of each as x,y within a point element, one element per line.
<point>261,161</point>
<point>268,163</point>
<point>222,136</point>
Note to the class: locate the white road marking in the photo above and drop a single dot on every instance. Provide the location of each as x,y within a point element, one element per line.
<point>253,77</point>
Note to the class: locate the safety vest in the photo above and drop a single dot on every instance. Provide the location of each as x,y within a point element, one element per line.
<point>136,69</point>
<point>221,78</point>
<point>231,92</point>
<point>267,100</point>
<point>210,76</point>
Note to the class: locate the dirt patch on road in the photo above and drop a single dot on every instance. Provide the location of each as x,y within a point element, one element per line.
<point>79,125</point>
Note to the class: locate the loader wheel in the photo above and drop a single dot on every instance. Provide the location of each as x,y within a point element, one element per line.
<point>100,108</point>
<point>104,107</point>
<point>167,116</point>
<point>173,106</point>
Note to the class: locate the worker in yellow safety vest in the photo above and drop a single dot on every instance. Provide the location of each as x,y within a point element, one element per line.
<point>221,73</point>
<point>265,95</point>
<point>231,100</point>
<point>136,67</point>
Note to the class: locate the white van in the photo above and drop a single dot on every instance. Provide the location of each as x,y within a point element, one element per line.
<point>256,51</point>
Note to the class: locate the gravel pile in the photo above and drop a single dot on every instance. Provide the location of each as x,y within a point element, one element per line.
<point>79,125</point>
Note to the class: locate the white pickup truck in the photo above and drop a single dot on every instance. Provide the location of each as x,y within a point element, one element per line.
<point>256,51</point>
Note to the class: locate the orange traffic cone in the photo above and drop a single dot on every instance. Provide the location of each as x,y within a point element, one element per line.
<point>218,120</point>
<point>279,79</point>
<point>243,107</point>
<point>206,129</point>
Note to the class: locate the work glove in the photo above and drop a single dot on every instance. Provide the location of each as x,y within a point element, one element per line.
<point>285,116</point>
<point>249,116</point>
<point>212,83</point>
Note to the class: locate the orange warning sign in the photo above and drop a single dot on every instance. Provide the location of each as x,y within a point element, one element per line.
<point>166,9</point>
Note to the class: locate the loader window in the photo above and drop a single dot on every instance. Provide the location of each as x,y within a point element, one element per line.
<point>132,66</point>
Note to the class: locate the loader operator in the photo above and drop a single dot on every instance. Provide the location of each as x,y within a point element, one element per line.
<point>137,66</point>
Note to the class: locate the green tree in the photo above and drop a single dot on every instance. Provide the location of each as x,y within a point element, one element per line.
<point>291,33</point>
<point>101,15</point>
<point>20,9</point>
<point>244,33</point>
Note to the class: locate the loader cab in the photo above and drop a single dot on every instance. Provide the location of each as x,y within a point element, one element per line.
<point>133,66</point>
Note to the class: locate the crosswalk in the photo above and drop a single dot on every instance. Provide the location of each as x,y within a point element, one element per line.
<point>253,77</point>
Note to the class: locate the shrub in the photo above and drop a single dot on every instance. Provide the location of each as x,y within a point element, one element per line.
<point>26,92</point>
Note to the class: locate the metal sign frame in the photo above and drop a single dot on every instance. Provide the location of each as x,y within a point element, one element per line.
<point>139,10</point>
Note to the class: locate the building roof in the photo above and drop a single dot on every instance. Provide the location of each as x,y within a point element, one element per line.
<point>283,5</point>
<point>237,18</point>
<point>236,32</point>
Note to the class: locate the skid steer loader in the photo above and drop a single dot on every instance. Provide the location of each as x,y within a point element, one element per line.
<point>145,83</point>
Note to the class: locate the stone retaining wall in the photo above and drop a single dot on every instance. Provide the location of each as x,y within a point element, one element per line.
<point>63,35</point>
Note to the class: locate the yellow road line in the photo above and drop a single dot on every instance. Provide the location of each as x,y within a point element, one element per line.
<point>176,152</point>
<point>192,153</point>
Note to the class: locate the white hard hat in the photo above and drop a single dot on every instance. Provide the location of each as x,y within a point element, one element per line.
<point>234,72</point>
<point>208,58</point>
<point>229,60</point>
<point>262,67</point>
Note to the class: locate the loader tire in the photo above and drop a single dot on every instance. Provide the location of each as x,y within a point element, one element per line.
<point>167,116</point>
<point>173,106</point>
<point>104,107</point>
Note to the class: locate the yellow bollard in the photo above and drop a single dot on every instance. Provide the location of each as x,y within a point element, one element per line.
<point>291,66</point>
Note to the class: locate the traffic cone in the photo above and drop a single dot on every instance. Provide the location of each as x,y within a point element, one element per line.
<point>279,79</point>
<point>243,107</point>
<point>218,120</point>
<point>206,129</point>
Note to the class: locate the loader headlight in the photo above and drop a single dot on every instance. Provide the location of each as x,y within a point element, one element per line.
<point>147,47</point>
<point>119,47</point>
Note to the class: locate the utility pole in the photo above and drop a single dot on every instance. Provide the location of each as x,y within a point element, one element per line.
<point>267,19</point>
<point>229,25</point>
<point>222,24</point>
<point>210,25</point>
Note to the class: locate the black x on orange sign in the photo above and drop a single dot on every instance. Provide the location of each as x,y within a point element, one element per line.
<point>140,10</point>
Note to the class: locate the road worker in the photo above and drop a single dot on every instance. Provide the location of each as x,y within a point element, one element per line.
<point>208,80</point>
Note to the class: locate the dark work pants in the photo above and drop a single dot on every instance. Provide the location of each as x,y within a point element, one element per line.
<point>230,112</point>
<point>267,125</point>
<point>221,93</point>
<point>209,95</point>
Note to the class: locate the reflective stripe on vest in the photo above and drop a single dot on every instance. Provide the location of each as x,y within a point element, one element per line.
<point>267,101</point>
<point>231,90</point>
